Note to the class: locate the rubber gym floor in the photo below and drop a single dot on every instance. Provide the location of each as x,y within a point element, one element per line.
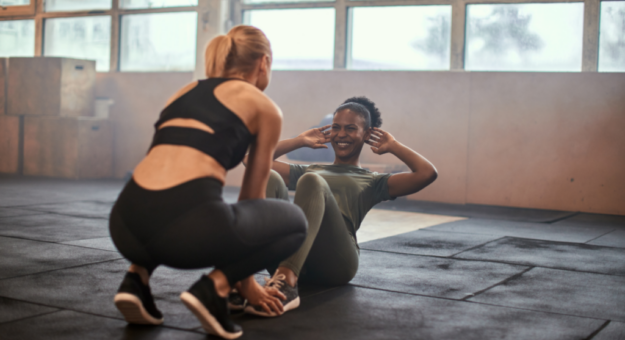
<point>460,272</point>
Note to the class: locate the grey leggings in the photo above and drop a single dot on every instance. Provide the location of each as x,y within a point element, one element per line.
<point>329,254</point>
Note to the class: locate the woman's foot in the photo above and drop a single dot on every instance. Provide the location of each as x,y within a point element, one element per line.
<point>211,309</point>
<point>278,281</point>
<point>134,300</point>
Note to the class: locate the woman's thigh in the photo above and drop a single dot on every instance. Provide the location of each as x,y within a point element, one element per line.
<point>334,256</point>
<point>216,234</point>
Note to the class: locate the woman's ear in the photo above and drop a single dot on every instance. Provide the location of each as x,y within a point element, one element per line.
<point>264,65</point>
<point>368,133</point>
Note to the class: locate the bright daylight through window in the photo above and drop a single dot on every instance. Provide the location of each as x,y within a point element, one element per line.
<point>400,38</point>
<point>136,4</point>
<point>524,37</point>
<point>158,42</point>
<point>612,37</point>
<point>307,44</point>
<point>17,38</point>
<point>81,38</point>
<point>77,5</point>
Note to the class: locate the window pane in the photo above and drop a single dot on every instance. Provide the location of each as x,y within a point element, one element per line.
<point>301,39</point>
<point>158,42</point>
<point>155,3</point>
<point>81,38</point>
<point>274,1</point>
<point>76,5</point>
<point>17,38</point>
<point>14,2</point>
<point>400,38</point>
<point>524,37</point>
<point>612,37</point>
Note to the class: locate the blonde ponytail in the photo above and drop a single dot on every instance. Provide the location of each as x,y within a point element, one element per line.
<point>216,56</point>
<point>236,52</point>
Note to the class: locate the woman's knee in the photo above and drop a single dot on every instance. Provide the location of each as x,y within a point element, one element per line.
<point>276,188</point>
<point>310,181</point>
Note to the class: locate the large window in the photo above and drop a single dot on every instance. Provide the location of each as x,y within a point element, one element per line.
<point>400,38</point>
<point>81,38</point>
<point>14,2</point>
<point>300,38</point>
<point>612,37</point>
<point>524,37</point>
<point>158,42</point>
<point>17,38</point>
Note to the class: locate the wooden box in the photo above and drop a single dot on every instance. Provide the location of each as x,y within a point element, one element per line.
<point>3,85</point>
<point>44,86</point>
<point>9,144</point>
<point>68,147</point>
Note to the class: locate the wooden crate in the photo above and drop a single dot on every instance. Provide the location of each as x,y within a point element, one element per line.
<point>45,86</point>
<point>68,147</point>
<point>3,79</point>
<point>9,144</point>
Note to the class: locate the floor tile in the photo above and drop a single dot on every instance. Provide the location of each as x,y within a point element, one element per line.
<point>596,220</point>
<point>20,257</point>
<point>615,238</point>
<point>358,313</point>
<point>104,243</point>
<point>429,242</point>
<point>582,294</point>
<point>10,212</point>
<point>430,276</point>
<point>89,209</point>
<point>11,310</point>
<point>614,331</point>
<point>24,190</point>
<point>73,325</point>
<point>541,231</point>
<point>53,228</point>
<point>558,255</point>
<point>382,223</point>
<point>476,211</point>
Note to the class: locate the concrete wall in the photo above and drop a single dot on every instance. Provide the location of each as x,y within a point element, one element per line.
<point>537,140</point>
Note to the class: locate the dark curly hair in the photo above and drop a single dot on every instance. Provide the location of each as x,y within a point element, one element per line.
<point>370,113</point>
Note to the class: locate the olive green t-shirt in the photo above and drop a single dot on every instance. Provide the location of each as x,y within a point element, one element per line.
<point>355,189</point>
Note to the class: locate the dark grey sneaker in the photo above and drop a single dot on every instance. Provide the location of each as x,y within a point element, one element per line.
<point>278,281</point>
<point>236,302</point>
<point>210,309</point>
<point>134,300</point>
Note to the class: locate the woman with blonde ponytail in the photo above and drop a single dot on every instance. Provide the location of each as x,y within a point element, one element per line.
<point>172,213</point>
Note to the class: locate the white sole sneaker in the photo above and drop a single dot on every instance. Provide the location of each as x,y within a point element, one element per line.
<point>208,321</point>
<point>131,307</point>
<point>289,306</point>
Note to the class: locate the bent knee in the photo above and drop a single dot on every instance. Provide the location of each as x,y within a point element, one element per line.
<point>309,181</point>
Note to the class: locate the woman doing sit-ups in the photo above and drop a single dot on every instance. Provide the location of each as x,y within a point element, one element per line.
<point>335,198</point>
<point>172,212</point>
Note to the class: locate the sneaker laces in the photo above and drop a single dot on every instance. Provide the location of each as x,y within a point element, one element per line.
<point>277,281</point>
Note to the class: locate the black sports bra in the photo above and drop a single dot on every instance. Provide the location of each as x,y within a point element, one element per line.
<point>231,139</point>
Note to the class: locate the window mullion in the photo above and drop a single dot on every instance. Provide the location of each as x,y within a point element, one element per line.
<point>590,54</point>
<point>458,16</point>
<point>340,34</point>
<point>115,28</point>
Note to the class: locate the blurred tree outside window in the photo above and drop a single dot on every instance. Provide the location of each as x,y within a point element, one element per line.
<point>612,37</point>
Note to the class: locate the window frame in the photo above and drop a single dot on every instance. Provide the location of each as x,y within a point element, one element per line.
<point>11,11</point>
<point>590,49</point>
<point>39,15</point>
<point>224,15</point>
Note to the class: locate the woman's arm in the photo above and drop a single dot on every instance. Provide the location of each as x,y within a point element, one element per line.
<point>260,157</point>
<point>314,138</point>
<point>406,183</point>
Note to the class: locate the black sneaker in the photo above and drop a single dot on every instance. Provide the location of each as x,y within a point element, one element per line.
<point>134,300</point>
<point>278,281</point>
<point>211,309</point>
<point>236,302</point>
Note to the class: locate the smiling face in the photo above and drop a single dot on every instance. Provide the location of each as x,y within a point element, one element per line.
<point>348,135</point>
